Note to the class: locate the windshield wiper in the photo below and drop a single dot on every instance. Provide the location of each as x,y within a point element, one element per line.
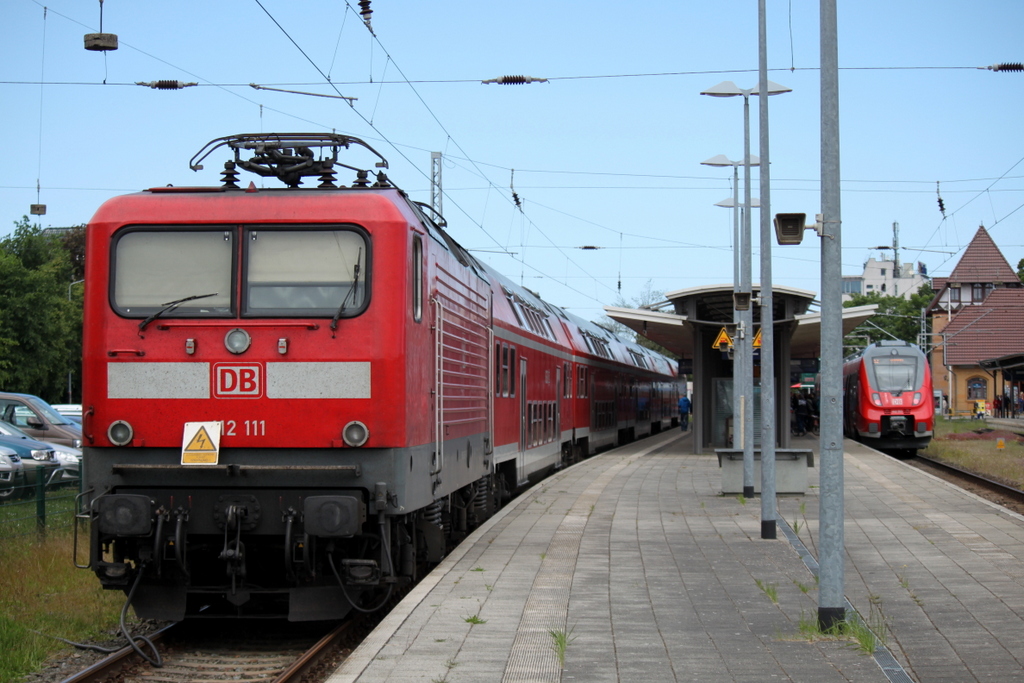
<point>170,306</point>
<point>351,292</point>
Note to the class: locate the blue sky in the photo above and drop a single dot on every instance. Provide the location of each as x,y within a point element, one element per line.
<point>606,153</point>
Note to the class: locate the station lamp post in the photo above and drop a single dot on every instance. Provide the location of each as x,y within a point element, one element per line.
<point>745,335</point>
<point>741,301</point>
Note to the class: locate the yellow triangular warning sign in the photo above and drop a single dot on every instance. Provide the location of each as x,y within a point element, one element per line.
<point>757,339</point>
<point>201,443</point>
<point>722,338</point>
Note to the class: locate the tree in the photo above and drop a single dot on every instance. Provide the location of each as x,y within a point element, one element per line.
<point>896,317</point>
<point>1020,269</point>
<point>648,295</point>
<point>40,328</point>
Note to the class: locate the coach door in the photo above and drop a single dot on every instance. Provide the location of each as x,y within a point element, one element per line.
<point>524,424</point>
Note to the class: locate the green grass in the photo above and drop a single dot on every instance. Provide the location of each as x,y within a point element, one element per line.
<point>560,641</point>
<point>979,456</point>
<point>43,597</point>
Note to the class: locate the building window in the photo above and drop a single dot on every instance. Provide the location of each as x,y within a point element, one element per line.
<point>954,295</point>
<point>977,293</point>
<point>977,389</point>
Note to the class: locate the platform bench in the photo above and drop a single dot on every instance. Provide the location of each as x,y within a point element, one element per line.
<point>791,466</point>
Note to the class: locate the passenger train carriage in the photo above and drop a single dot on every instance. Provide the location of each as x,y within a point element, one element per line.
<point>297,399</point>
<point>887,397</point>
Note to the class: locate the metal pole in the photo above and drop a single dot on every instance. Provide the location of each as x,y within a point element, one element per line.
<point>737,410</point>
<point>831,604</point>
<point>744,348</point>
<point>768,489</point>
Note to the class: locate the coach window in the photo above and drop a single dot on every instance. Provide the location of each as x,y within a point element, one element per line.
<point>511,371</point>
<point>309,272</point>
<point>153,267</point>
<point>417,278</point>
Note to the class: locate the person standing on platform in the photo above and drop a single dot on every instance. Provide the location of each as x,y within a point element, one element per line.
<point>684,413</point>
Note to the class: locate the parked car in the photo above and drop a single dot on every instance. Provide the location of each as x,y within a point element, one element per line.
<point>39,420</point>
<point>12,474</point>
<point>69,459</point>
<point>72,411</point>
<point>37,458</point>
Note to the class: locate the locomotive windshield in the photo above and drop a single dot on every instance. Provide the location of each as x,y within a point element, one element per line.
<point>895,373</point>
<point>305,272</point>
<point>153,268</point>
<point>286,272</point>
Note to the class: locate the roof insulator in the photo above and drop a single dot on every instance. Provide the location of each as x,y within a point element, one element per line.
<point>365,12</point>
<point>515,80</point>
<point>1009,66</point>
<point>166,85</point>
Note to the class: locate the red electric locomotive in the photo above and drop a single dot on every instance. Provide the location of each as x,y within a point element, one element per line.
<point>296,399</point>
<point>887,399</point>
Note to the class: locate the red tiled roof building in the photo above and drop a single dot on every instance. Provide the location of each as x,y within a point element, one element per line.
<point>977,314</point>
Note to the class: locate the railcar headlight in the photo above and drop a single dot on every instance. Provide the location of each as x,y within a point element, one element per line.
<point>355,434</point>
<point>237,340</point>
<point>917,397</point>
<point>120,433</point>
<point>876,399</point>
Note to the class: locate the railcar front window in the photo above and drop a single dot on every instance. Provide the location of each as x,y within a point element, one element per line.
<point>306,273</point>
<point>153,268</point>
<point>895,373</point>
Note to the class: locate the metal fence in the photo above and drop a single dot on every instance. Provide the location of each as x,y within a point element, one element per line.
<point>34,509</point>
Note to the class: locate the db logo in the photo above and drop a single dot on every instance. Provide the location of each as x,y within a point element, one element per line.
<point>232,380</point>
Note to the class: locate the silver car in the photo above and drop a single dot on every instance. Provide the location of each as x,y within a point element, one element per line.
<point>12,474</point>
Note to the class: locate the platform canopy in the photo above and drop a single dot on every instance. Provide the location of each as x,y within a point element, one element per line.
<point>672,323</point>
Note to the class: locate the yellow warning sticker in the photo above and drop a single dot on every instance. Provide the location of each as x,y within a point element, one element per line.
<point>722,338</point>
<point>201,443</point>
<point>757,339</point>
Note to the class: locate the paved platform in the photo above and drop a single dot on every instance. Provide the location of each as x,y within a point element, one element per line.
<point>652,575</point>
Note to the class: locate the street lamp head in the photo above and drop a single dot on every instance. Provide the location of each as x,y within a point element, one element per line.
<point>722,160</point>
<point>730,89</point>
<point>728,203</point>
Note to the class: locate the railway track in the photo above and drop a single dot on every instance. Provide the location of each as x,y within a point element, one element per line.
<point>205,652</point>
<point>989,489</point>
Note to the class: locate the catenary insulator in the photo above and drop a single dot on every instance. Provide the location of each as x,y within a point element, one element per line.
<point>1009,66</point>
<point>166,85</point>
<point>515,80</point>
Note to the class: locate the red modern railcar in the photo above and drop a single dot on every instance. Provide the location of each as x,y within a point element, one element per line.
<point>296,399</point>
<point>887,398</point>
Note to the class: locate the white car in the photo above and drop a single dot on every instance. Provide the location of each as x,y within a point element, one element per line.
<point>71,410</point>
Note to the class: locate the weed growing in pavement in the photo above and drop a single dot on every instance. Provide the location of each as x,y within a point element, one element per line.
<point>867,636</point>
<point>560,640</point>
<point>804,588</point>
<point>770,589</point>
<point>477,569</point>
<point>474,619</point>
<point>741,498</point>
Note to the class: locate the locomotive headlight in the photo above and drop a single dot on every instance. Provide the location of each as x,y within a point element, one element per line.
<point>355,434</point>
<point>917,397</point>
<point>237,340</point>
<point>120,433</point>
<point>876,399</point>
